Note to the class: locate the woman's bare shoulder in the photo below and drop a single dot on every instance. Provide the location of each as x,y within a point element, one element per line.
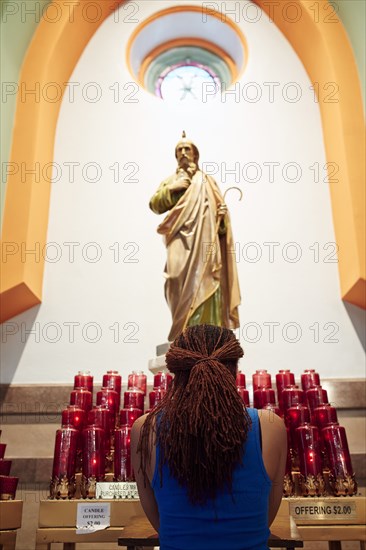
<point>269,418</point>
<point>273,429</point>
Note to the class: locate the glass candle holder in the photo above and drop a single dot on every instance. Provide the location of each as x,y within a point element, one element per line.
<point>295,417</point>
<point>128,416</point>
<point>8,487</point>
<point>5,466</point>
<point>93,467</point>
<point>342,477</point>
<point>162,380</point>
<point>113,381</point>
<point>284,378</point>
<point>73,416</point>
<point>288,485</point>
<point>83,379</point>
<point>110,399</point>
<point>316,396</point>
<point>82,398</point>
<point>263,396</point>
<point>101,416</point>
<point>133,398</point>
<point>137,379</point>
<point>324,415</point>
<point>2,449</point>
<point>155,397</point>
<point>311,468</point>
<point>122,455</point>
<point>64,463</point>
<point>261,379</point>
<point>292,395</point>
<point>309,379</point>
<point>240,379</point>
<point>244,394</point>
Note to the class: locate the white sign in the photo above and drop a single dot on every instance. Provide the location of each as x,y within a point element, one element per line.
<point>117,489</point>
<point>92,517</point>
<point>335,510</point>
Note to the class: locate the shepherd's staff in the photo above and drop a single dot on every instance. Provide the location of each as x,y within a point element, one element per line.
<point>191,309</point>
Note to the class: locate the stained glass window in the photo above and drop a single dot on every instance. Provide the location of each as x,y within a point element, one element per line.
<point>188,82</point>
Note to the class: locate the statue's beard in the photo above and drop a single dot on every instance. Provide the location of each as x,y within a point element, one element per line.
<point>190,168</point>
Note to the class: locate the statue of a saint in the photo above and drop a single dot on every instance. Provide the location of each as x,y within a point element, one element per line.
<point>201,277</point>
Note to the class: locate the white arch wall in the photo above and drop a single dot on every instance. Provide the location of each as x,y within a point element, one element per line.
<point>120,300</point>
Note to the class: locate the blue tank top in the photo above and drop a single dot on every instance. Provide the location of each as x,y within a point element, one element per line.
<point>237,521</point>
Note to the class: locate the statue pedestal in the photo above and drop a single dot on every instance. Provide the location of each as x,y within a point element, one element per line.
<point>158,363</point>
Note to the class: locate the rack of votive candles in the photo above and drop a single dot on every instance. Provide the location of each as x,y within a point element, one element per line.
<point>318,459</point>
<point>8,483</point>
<point>93,442</point>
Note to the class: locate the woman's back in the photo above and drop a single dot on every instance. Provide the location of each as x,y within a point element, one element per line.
<point>237,521</point>
<point>216,490</point>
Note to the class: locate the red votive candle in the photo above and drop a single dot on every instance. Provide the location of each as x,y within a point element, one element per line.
<point>309,379</point>
<point>284,378</point>
<point>316,396</point>
<point>308,444</point>
<point>240,379</point>
<point>133,398</point>
<point>295,417</point>
<point>64,458</point>
<point>8,487</point>
<point>155,396</point>
<point>336,446</point>
<point>113,381</point>
<point>73,416</point>
<point>2,449</point>
<point>137,379</point>
<point>261,379</point>
<point>292,395</point>
<point>288,486</point>
<point>122,455</point>
<point>324,415</point>
<point>244,394</point>
<point>83,379</point>
<point>263,396</point>
<point>110,399</point>
<point>128,416</point>
<point>101,416</point>
<point>162,380</point>
<point>82,398</point>
<point>93,452</point>
<point>5,466</point>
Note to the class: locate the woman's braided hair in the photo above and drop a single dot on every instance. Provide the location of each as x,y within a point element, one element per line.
<point>202,423</point>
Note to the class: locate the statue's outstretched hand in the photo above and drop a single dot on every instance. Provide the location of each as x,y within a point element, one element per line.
<point>222,210</point>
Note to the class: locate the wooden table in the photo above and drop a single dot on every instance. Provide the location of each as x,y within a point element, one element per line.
<point>8,539</point>
<point>10,521</point>
<point>332,529</point>
<point>334,534</point>
<point>141,533</point>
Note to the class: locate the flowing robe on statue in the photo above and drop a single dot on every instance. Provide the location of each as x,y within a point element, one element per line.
<point>201,277</point>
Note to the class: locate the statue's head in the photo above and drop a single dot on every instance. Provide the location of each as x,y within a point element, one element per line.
<point>186,151</point>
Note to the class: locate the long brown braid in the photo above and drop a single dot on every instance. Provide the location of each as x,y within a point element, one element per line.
<point>202,423</point>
